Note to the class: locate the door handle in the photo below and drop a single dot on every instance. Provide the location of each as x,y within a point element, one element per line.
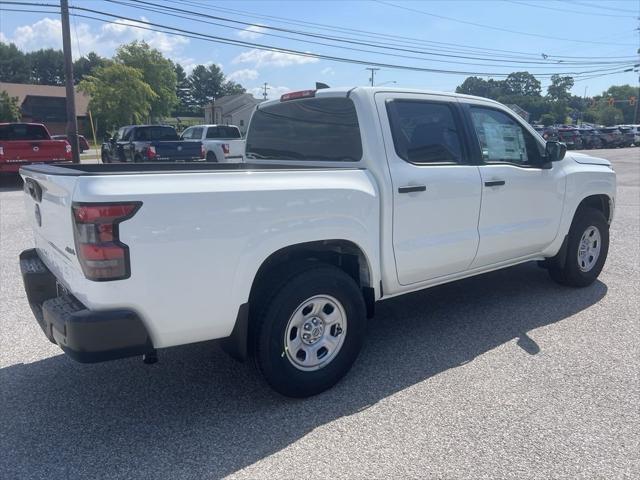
<point>494,183</point>
<point>412,188</point>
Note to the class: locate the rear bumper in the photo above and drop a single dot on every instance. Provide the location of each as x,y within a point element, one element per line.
<point>85,335</point>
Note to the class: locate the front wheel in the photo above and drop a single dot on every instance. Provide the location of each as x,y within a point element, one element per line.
<point>310,330</point>
<point>587,248</point>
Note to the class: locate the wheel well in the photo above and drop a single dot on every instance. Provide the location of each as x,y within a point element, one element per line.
<point>343,254</point>
<point>599,202</point>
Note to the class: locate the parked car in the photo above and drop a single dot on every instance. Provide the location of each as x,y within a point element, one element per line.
<point>549,133</point>
<point>590,138</point>
<point>222,143</point>
<point>149,143</point>
<point>571,137</point>
<point>611,137</point>
<point>629,134</point>
<point>82,142</point>
<point>26,143</point>
<point>353,195</point>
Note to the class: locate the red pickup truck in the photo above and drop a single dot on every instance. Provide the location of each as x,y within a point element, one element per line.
<point>26,143</point>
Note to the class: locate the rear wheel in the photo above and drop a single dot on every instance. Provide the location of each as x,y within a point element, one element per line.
<point>587,248</point>
<point>104,157</point>
<point>309,330</point>
<point>137,159</point>
<point>211,157</point>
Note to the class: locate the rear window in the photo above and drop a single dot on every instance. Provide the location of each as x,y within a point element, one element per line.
<point>223,131</point>
<point>23,132</point>
<point>155,133</point>
<point>324,129</point>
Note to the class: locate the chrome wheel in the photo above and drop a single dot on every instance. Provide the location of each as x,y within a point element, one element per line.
<point>589,248</point>
<point>315,332</point>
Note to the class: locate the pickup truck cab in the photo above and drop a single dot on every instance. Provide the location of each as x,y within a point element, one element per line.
<point>221,143</point>
<point>349,197</point>
<point>26,143</point>
<point>149,143</point>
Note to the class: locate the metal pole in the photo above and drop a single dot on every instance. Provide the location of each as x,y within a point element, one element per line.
<point>72,123</point>
<point>373,71</point>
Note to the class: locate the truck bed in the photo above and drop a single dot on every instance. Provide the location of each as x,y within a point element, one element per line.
<point>78,170</point>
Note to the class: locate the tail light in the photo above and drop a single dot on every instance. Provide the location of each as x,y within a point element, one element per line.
<point>101,254</point>
<point>203,153</point>
<point>225,148</point>
<point>1,151</point>
<point>151,152</point>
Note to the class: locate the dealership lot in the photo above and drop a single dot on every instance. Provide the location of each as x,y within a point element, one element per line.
<point>503,375</point>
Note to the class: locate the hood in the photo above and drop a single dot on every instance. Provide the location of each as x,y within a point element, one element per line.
<point>588,159</point>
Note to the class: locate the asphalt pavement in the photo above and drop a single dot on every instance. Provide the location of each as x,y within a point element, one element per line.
<point>506,375</point>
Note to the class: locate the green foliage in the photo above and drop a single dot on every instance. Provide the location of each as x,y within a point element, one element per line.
<point>47,66</point>
<point>209,83</point>
<point>9,108</point>
<point>119,95</point>
<point>623,92</point>
<point>522,84</point>
<point>605,114</point>
<point>14,67</point>
<point>560,87</point>
<point>157,71</point>
<point>86,65</point>
<point>547,119</point>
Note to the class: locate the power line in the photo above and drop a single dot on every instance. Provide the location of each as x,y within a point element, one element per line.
<point>575,11</point>
<point>591,5</point>
<point>379,35</point>
<point>174,13</point>
<point>499,29</point>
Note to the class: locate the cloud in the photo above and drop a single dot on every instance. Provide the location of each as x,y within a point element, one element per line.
<point>243,75</point>
<point>251,33</point>
<point>45,33</point>
<point>328,72</point>
<point>272,92</point>
<point>266,58</point>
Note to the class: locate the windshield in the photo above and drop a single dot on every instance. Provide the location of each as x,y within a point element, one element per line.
<point>321,129</point>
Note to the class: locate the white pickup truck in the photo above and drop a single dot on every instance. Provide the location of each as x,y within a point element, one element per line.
<point>221,143</point>
<point>350,196</point>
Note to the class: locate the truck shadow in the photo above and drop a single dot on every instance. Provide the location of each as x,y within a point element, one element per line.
<point>198,413</point>
<point>10,182</point>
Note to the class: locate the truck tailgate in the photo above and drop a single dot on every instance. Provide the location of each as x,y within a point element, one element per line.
<point>29,151</point>
<point>178,150</point>
<point>48,205</point>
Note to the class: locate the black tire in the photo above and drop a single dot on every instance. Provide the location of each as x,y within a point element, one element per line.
<point>104,157</point>
<point>570,273</point>
<point>211,157</point>
<point>278,306</point>
<point>137,159</point>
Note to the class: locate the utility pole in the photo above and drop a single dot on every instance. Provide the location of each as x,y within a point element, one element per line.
<point>373,71</point>
<point>265,88</point>
<point>72,124</point>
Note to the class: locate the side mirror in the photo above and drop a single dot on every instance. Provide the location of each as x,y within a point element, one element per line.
<point>555,151</point>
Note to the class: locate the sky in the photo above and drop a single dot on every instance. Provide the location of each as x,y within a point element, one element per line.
<point>498,34</point>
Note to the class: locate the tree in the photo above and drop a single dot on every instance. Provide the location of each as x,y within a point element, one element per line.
<point>559,88</point>
<point>233,88</point>
<point>207,83</point>
<point>621,95</point>
<point>157,71</point>
<point>9,108</point>
<point>547,119</point>
<point>86,65</point>
<point>522,83</point>
<point>119,95</point>
<point>14,65</point>
<point>480,87</point>
<point>183,92</point>
<point>47,66</point>
<point>606,114</point>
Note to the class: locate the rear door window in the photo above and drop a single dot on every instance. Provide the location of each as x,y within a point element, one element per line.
<point>320,129</point>
<point>424,132</point>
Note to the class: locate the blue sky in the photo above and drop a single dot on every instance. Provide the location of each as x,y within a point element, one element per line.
<point>582,28</point>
